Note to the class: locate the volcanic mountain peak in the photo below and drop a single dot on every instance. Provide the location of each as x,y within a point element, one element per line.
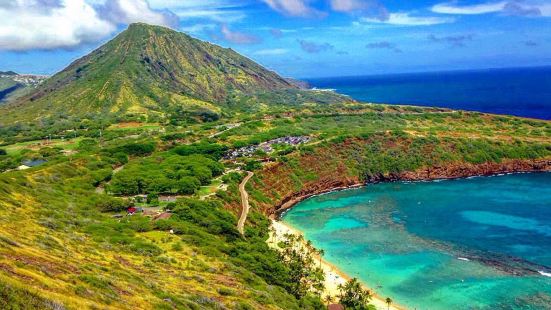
<point>151,69</point>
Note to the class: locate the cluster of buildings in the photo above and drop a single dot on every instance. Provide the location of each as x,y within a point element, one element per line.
<point>267,146</point>
<point>29,79</point>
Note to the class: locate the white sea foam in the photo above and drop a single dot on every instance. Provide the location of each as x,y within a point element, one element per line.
<point>545,274</point>
<point>464,258</point>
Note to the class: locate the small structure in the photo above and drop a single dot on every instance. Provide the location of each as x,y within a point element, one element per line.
<point>267,146</point>
<point>335,307</point>
<point>131,210</point>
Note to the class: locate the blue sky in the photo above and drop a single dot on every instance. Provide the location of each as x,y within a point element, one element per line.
<point>297,38</point>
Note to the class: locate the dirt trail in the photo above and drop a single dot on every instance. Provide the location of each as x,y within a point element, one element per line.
<point>244,203</point>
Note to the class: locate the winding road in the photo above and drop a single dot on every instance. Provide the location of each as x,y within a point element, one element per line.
<point>244,203</point>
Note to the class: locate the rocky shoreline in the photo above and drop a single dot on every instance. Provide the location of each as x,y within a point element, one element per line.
<point>451,171</point>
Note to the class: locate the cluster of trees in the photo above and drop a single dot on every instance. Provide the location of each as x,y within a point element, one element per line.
<point>170,174</point>
<point>7,162</point>
<point>305,273</point>
<point>353,296</point>
<point>213,150</point>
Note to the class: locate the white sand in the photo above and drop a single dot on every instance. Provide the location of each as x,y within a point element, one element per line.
<point>333,276</point>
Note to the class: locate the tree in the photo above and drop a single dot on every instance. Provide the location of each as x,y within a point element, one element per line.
<point>353,296</point>
<point>388,301</point>
<point>298,256</point>
<point>321,253</point>
<point>328,299</point>
<point>3,152</point>
<point>188,185</point>
<point>109,204</point>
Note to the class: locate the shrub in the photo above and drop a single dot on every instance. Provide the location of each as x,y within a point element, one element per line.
<point>87,144</point>
<point>136,149</point>
<point>188,185</point>
<point>3,152</point>
<point>110,204</point>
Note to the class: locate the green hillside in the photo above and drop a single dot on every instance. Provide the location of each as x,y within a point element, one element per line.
<point>150,122</point>
<point>153,72</point>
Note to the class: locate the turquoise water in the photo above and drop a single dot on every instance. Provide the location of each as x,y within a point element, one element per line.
<point>478,243</point>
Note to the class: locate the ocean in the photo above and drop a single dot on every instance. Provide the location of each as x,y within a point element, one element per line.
<point>522,92</point>
<point>476,243</point>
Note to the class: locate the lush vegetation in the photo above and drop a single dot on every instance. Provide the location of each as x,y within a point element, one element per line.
<point>122,123</point>
<point>353,296</point>
<point>165,174</point>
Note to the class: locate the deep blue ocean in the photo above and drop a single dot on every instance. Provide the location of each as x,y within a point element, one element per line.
<point>520,91</point>
<point>477,243</point>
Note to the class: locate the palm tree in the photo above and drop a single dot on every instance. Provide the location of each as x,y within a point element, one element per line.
<point>321,252</point>
<point>352,295</point>
<point>388,302</point>
<point>328,299</point>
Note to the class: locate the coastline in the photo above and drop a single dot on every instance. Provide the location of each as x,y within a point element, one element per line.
<point>333,275</point>
<point>427,174</point>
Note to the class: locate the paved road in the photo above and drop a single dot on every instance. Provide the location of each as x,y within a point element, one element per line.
<point>244,203</point>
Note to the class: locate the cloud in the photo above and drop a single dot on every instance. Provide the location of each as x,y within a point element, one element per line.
<point>221,11</point>
<point>58,24</point>
<point>405,19</point>
<point>300,8</point>
<point>198,28</point>
<point>131,11</point>
<point>452,8</point>
<point>238,37</point>
<point>384,45</point>
<point>276,33</point>
<point>53,24</point>
<point>272,52</point>
<point>368,8</point>
<point>514,8</point>
<point>313,47</point>
<point>454,40</point>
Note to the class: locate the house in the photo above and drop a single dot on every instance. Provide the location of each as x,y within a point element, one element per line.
<point>131,210</point>
<point>335,307</point>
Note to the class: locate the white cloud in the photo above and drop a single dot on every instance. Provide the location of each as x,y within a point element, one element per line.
<point>131,11</point>
<point>237,37</point>
<point>293,7</point>
<point>513,7</point>
<point>272,52</point>
<point>198,28</point>
<point>367,8</point>
<point>348,5</point>
<point>452,8</point>
<point>38,24</point>
<point>223,11</point>
<point>405,19</point>
<point>67,24</point>
<point>217,15</point>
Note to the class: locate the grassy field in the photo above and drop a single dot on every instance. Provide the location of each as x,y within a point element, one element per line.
<point>59,242</point>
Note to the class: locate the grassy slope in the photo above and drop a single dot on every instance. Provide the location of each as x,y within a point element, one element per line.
<point>146,69</point>
<point>56,247</point>
<point>355,148</point>
<point>54,253</point>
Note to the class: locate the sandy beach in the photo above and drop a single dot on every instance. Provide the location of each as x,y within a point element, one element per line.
<point>333,276</point>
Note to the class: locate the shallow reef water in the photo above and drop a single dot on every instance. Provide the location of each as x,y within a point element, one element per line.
<point>477,243</point>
